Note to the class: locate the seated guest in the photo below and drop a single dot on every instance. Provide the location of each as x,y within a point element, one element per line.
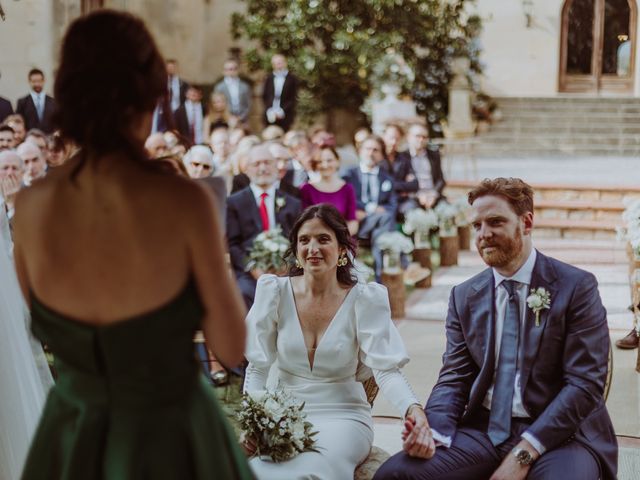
<point>424,159</point>
<point>198,161</point>
<point>218,114</point>
<point>360,136</point>
<point>39,139</point>
<point>189,117</point>
<point>11,173</point>
<point>35,165</point>
<point>520,392</point>
<point>302,152</point>
<point>7,139</point>
<point>239,159</point>
<point>223,167</point>
<point>392,135</point>
<point>16,122</point>
<point>256,208</point>
<point>60,150</point>
<point>156,146</point>
<point>376,202</point>
<point>330,188</point>
<point>272,133</point>
<point>283,161</point>
<point>399,165</point>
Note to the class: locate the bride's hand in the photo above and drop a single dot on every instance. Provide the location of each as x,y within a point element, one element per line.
<point>417,439</point>
<point>249,446</point>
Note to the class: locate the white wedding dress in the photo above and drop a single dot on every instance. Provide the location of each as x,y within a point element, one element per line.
<point>361,333</point>
<point>23,384</point>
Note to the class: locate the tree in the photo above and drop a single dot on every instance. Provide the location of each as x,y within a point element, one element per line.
<point>333,46</point>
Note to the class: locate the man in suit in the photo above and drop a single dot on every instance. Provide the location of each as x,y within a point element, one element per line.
<point>5,109</point>
<point>176,87</point>
<point>254,209</point>
<point>376,201</point>
<point>280,94</point>
<point>299,169</point>
<point>37,108</point>
<point>7,139</point>
<point>236,90</point>
<point>520,392</point>
<point>34,162</point>
<point>418,171</point>
<point>189,117</point>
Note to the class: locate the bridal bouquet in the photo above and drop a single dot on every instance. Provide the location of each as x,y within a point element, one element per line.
<point>267,251</point>
<point>277,424</point>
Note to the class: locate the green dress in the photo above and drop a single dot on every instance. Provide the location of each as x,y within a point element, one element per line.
<point>130,401</point>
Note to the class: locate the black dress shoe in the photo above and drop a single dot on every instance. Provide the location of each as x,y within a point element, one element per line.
<point>630,341</point>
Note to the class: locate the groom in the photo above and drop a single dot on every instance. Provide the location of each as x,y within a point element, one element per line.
<point>520,393</point>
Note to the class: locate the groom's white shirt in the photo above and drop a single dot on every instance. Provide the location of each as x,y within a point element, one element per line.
<point>523,277</point>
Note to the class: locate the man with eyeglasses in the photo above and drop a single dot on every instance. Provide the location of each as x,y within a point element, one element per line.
<point>237,91</point>
<point>199,161</point>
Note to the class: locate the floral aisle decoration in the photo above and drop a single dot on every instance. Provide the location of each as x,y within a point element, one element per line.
<point>420,223</point>
<point>393,244</point>
<point>447,214</point>
<point>631,230</point>
<point>462,222</point>
<point>267,253</point>
<point>276,423</point>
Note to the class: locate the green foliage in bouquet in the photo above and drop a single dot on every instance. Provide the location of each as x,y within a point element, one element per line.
<point>337,48</point>
<point>267,251</point>
<point>277,424</point>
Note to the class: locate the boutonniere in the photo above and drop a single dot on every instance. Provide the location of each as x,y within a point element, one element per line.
<point>538,300</point>
<point>280,202</point>
<point>386,186</point>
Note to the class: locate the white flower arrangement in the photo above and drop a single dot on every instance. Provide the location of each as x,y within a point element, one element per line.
<point>420,221</point>
<point>394,242</point>
<point>447,214</point>
<point>464,211</point>
<point>267,251</point>
<point>275,421</point>
<point>539,299</point>
<point>631,231</point>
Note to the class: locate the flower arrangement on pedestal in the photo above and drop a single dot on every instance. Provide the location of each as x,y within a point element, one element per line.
<point>420,223</point>
<point>393,244</point>
<point>267,251</point>
<point>447,214</point>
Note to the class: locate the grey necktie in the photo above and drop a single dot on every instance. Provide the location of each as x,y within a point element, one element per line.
<point>39,106</point>
<point>500,418</point>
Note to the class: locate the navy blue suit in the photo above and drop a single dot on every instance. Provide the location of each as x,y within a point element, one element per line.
<point>243,226</point>
<point>27,109</point>
<point>375,224</point>
<point>563,365</point>
<point>5,109</point>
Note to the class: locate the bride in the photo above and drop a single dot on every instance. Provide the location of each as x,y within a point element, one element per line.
<point>320,324</point>
<point>23,384</point>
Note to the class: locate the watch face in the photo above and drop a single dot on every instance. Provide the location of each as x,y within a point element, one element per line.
<point>523,457</point>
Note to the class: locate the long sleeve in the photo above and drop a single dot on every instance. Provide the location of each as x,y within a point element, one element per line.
<point>381,347</point>
<point>262,333</point>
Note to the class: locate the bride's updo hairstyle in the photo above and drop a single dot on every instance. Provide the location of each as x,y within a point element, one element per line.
<point>110,73</point>
<point>332,218</point>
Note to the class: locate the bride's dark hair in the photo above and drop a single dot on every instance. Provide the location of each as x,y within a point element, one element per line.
<point>110,73</point>
<point>332,218</point>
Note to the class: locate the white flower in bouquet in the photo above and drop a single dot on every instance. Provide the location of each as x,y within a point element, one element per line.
<point>277,424</point>
<point>267,251</point>
<point>394,242</point>
<point>447,219</point>
<point>420,221</point>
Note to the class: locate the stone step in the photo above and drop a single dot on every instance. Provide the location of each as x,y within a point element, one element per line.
<point>574,128</point>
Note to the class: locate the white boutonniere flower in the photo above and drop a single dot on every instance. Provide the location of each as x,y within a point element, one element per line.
<point>386,186</point>
<point>539,299</point>
<point>280,202</point>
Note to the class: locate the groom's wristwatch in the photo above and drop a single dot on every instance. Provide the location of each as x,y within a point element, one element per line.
<point>523,457</point>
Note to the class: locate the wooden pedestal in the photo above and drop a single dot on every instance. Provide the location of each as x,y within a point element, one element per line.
<point>464,236</point>
<point>449,251</point>
<point>423,257</point>
<point>395,285</point>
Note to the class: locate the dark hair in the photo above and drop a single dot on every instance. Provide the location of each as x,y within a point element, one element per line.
<point>332,218</point>
<point>7,128</point>
<point>110,73</point>
<point>395,126</point>
<point>377,139</point>
<point>518,193</point>
<point>35,71</point>
<point>317,155</point>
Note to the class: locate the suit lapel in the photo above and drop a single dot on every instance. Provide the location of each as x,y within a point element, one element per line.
<point>543,276</point>
<point>250,200</point>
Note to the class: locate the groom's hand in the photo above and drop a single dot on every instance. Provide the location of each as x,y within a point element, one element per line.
<point>510,469</point>
<point>417,439</point>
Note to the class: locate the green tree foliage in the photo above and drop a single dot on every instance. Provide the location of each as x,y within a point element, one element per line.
<point>334,45</point>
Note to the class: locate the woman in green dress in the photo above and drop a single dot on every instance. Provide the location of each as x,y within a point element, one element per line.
<point>121,263</point>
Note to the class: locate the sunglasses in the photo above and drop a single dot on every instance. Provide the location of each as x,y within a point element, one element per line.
<point>205,166</point>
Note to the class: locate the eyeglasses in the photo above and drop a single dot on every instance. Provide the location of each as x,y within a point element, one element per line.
<point>205,166</point>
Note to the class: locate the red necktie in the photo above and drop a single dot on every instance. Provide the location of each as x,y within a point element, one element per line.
<point>264,214</point>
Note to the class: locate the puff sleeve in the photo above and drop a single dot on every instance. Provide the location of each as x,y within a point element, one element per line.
<point>262,333</point>
<point>381,347</point>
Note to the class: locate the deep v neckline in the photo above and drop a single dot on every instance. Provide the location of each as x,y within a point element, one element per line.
<point>326,330</point>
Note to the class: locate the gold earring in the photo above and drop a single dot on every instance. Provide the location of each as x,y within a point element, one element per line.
<point>343,260</point>
<point>298,264</point>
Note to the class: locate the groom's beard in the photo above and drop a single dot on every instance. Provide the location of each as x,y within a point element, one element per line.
<point>505,250</point>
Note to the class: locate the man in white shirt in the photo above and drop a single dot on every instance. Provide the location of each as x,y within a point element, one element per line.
<point>280,94</point>
<point>520,392</point>
<point>237,91</point>
<point>189,117</point>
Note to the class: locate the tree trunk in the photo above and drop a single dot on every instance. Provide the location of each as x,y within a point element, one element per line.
<point>395,287</point>
<point>449,251</point>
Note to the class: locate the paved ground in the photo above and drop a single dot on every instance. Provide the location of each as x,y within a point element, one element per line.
<point>423,329</point>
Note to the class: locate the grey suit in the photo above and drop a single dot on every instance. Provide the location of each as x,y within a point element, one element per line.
<point>563,365</point>
<point>243,108</point>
